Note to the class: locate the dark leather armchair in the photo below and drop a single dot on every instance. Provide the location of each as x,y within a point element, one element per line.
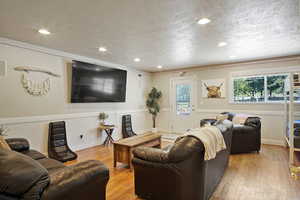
<point>245,138</point>
<point>180,171</point>
<point>28,174</point>
<point>127,126</point>
<point>58,147</point>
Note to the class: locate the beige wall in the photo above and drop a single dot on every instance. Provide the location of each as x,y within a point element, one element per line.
<point>161,80</point>
<point>272,116</point>
<point>16,102</point>
<point>28,117</point>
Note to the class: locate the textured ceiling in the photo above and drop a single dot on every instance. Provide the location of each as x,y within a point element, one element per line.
<point>160,32</point>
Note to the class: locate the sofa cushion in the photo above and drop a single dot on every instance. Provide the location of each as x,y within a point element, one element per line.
<point>34,154</point>
<point>18,144</point>
<point>20,173</point>
<point>50,164</point>
<point>243,130</point>
<point>240,118</point>
<point>230,115</point>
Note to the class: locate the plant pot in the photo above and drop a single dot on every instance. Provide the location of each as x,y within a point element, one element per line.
<point>154,130</point>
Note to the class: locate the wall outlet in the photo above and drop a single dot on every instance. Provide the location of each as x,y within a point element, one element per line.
<point>3,68</point>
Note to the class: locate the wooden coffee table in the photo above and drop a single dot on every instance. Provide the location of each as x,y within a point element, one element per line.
<point>123,148</point>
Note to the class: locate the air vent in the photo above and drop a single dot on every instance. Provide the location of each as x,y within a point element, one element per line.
<point>3,68</point>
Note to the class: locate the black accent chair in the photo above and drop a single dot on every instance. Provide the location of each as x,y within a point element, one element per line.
<point>180,172</point>
<point>246,138</point>
<point>58,148</point>
<point>127,126</point>
<point>28,174</point>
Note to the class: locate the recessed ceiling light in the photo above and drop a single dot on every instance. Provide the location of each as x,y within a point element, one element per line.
<point>222,44</point>
<point>159,66</point>
<point>102,49</point>
<point>44,32</point>
<point>137,60</point>
<point>204,21</point>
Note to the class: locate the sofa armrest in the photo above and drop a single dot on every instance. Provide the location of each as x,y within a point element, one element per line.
<point>21,176</point>
<point>84,180</point>
<point>151,154</point>
<point>253,122</point>
<point>18,144</point>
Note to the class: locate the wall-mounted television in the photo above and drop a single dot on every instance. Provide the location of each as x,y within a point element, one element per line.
<point>93,83</point>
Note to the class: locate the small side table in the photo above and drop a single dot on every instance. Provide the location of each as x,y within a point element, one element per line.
<point>109,129</point>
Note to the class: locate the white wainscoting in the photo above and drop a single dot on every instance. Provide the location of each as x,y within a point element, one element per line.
<point>35,128</point>
<point>272,122</point>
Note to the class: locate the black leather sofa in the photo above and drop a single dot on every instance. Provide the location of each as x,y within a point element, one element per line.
<point>245,138</point>
<point>180,171</point>
<point>28,175</point>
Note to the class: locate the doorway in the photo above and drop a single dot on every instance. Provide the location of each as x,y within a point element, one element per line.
<point>183,98</point>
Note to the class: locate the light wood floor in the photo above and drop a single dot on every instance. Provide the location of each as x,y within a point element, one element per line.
<point>263,176</point>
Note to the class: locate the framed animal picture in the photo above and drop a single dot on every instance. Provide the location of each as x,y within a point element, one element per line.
<point>214,88</point>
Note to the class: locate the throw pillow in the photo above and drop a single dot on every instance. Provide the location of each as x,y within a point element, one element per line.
<point>240,119</point>
<point>3,143</point>
<point>222,117</point>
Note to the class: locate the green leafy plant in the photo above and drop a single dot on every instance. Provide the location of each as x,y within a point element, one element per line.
<point>152,104</point>
<point>103,116</point>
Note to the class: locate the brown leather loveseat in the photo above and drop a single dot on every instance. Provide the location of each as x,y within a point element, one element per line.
<point>27,174</point>
<point>180,171</point>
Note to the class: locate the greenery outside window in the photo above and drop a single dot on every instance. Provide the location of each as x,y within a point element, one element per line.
<point>275,87</point>
<point>183,99</point>
<point>249,89</point>
<point>259,89</point>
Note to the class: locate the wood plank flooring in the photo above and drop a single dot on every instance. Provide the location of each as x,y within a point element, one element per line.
<point>263,176</point>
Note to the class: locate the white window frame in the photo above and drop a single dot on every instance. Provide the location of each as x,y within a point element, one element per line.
<point>265,75</point>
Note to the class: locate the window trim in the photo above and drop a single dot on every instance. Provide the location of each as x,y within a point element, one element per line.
<point>265,75</point>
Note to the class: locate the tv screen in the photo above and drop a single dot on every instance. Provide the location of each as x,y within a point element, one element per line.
<point>94,83</point>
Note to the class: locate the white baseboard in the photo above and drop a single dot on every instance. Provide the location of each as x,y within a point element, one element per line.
<point>85,146</point>
<point>89,145</point>
<point>272,142</point>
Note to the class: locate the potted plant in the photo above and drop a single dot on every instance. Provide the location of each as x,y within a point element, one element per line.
<point>103,116</point>
<point>152,104</point>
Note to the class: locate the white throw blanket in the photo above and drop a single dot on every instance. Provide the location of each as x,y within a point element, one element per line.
<point>211,138</point>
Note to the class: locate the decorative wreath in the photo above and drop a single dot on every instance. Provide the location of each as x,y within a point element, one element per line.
<point>35,88</point>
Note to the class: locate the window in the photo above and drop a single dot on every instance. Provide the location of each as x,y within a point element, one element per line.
<point>266,88</point>
<point>275,87</point>
<point>249,89</point>
<point>183,99</point>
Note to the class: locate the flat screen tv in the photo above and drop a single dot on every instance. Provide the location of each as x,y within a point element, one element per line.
<point>93,83</point>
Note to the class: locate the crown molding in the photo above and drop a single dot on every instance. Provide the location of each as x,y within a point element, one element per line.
<point>58,53</point>
<point>236,64</point>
